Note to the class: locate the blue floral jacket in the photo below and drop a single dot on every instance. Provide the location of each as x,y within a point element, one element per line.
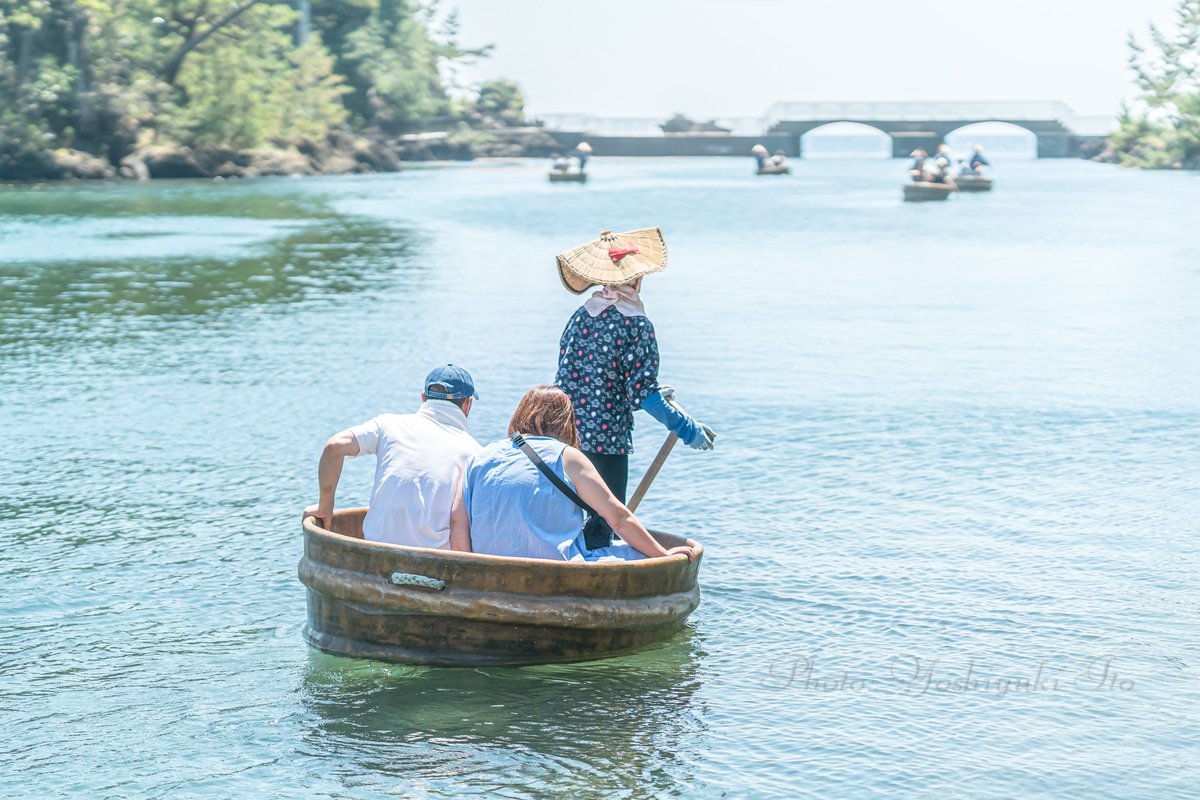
<point>608,365</point>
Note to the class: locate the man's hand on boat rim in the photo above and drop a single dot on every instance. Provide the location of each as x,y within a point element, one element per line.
<point>683,548</point>
<point>324,515</point>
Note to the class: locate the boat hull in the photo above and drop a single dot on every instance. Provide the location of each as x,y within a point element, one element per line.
<point>784,170</point>
<point>973,183</point>
<point>925,192</point>
<point>489,610</point>
<point>568,177</point>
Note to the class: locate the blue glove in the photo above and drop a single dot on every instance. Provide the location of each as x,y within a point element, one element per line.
<point>691,432</point>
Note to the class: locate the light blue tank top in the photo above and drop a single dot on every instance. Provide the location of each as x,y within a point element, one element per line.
<point>516,511</point>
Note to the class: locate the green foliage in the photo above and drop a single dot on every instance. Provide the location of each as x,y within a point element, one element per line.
<point>108,76</point>
<point>311,97</point>
<point>470,137</point>
<point>1165,132</point>
<point>1138,142</point>
<point>250,97</point>
<point>392,59</point>
<point>501,102</point>
<point>47,94</point>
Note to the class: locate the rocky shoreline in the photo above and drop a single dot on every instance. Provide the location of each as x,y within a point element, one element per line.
<point>340,154</point>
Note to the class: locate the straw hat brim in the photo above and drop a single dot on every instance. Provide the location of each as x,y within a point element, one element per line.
<point>590,264</point>
<point>583,147</point>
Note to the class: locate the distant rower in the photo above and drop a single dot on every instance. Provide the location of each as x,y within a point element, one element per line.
<point>978,159</point>
<point>583,151</point>
<point>760,155</point>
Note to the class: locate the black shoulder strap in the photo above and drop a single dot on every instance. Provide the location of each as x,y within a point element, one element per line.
<point>558,482</point>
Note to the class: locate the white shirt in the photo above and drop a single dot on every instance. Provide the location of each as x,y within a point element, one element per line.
<point>418,460</point>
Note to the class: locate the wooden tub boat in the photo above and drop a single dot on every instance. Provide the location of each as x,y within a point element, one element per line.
<point>775,169</point>
<point>920,192</point>
<point>564,176</point>
<point>415,605</point>
<point>973,183</point>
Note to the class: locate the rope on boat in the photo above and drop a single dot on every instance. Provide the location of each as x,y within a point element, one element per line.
<point>409,579</point>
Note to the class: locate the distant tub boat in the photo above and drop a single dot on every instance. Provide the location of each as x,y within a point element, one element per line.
<point>775,169</point>
<point>414,605</point>
<point>566,176</point>
<point>916,192</point>
<point>973,183</point>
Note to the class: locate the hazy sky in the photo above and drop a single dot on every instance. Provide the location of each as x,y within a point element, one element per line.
<point>734,58</point>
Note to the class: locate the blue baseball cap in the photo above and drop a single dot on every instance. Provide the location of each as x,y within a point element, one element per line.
<point>456,380</point>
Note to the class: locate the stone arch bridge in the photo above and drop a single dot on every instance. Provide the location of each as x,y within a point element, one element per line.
<point>1060,132</point>
<point>926,125</point>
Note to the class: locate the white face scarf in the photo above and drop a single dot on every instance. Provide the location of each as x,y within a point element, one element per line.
<point>625,298</point>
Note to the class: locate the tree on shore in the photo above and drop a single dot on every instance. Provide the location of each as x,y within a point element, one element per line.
<point>1162,128</point>
<point>391,54</point>
<point>109,76</point>
<point>500,102</point>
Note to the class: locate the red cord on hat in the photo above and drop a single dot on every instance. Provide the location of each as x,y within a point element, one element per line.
<point>617,253</point>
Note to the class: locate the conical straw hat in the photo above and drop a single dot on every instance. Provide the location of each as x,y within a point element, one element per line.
<point>613,259</point>
<point>583,147</point>
<point>758,148</point>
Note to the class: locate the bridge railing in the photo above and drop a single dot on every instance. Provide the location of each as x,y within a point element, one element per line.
<point>642,126</point>
<point>949,110</point>
<point>933,111</point>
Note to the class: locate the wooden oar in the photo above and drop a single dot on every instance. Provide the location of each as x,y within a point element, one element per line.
<point>655,465</point>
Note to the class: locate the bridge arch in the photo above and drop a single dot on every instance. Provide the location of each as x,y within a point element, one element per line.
<point>925,125</point>
<point>845,139</point>
<point>1010,139</point>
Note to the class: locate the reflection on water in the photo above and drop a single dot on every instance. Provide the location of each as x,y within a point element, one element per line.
<point>263,200</point>
<point>976,445</point>
<point>128,292</point>
<point>611,729</point>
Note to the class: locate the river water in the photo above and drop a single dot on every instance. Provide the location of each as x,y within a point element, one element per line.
<point>951,519</point>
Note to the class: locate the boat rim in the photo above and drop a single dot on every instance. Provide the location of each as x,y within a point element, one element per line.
<point>312,529</point>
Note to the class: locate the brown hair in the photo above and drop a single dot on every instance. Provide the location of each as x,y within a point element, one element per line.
<point>545,411</point>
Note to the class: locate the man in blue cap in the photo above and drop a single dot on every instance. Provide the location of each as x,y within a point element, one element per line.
<point>418,461</point>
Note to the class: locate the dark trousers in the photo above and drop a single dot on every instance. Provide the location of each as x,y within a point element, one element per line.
<point>614,470</point>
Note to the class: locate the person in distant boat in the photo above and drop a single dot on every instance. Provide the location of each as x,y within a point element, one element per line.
<point>941,173</point>
<point>760,155</point>
<point>506,506</point>
<point>559,162</point>
<point>418,461</point>
<point>583,151</point>
<point>978,159</point>
<point>917,170</point>
<point>608,353</point>
<point>944,151</point>
<point>965,169</point>
<point>779,159</point>
<point>931,171</point>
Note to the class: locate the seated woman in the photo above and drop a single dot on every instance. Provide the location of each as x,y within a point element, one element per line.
<point>505,506</point>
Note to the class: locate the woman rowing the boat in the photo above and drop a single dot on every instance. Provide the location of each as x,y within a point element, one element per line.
<point>608,353</point>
